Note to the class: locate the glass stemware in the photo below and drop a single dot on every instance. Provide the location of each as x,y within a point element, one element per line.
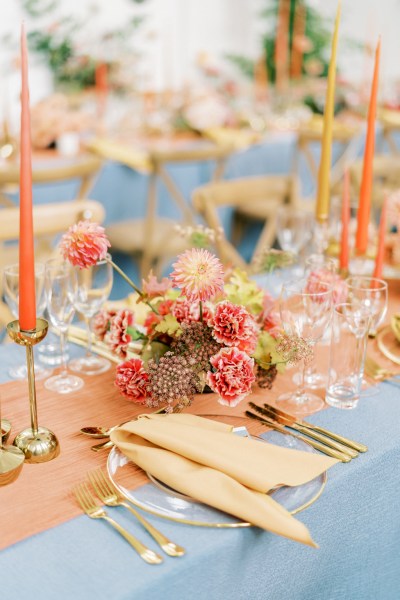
<point>93,286</point>
<point>370,295</point>
<point>11,296</point>
<point>293,228</point>
<point>305,312</point>
<point>60,291</point>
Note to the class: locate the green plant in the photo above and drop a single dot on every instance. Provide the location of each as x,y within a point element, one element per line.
<point>73,65</point>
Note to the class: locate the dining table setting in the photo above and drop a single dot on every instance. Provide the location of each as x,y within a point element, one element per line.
<point>219,432</point>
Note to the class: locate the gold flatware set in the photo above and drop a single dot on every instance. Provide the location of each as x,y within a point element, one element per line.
<point>109,495</point>
<point>328,442</point>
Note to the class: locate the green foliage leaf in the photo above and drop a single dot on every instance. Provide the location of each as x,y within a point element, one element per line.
<point>265,353</point>
<point>242,290</point>
<point>170,326</point>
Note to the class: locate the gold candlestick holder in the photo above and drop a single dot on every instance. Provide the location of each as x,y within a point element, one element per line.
<point>38,444</point>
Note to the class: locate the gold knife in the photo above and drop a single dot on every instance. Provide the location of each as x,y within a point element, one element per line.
<point>270,412</point>
<point>334,436</point>
<point>321,447</point>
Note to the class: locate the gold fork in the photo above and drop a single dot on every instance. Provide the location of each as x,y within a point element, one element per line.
<point>94,511</point>
<point>108,494</point>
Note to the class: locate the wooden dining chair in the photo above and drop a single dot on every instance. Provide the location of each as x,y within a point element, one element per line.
<point>154,239</point>
<point>386,177</point>
<point>49,221</point>
<point>257,197</point>
<point>83,169</point>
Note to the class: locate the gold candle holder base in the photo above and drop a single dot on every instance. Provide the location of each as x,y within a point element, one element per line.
<point>38,444</point>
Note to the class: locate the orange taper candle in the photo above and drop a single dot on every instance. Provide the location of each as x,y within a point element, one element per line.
<point>344,240</point>
<point>27,297</point>
<point>364,204</point>
<point>380,254</point>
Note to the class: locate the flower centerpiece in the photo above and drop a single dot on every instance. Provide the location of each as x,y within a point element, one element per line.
<point>204,329</point>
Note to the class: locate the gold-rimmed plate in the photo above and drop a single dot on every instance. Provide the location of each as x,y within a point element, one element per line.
<point>388,344</point>
<point>155,498</point>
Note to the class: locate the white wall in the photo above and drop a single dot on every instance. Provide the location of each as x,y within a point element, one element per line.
<point>177,30</point>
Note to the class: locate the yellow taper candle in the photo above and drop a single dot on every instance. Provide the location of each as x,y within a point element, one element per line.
<point>323,191</point>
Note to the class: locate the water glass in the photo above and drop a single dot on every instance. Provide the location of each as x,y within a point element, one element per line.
<point>92,286</point>
<point>347,355</point>
<point>60,294</point>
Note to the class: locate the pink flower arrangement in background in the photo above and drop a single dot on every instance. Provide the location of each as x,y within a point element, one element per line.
<point>339,286</point>
<point>84,244</point>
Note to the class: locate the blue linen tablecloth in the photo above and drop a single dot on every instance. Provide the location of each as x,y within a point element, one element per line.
<point>356,522</point>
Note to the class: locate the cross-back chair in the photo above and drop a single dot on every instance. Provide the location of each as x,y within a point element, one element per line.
<point>259,197</point>
<point>49,221</point>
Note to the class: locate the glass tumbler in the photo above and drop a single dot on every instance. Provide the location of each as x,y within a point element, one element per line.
<point>347,355</point>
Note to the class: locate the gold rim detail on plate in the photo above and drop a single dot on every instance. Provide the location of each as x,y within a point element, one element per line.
<point>382,345</point>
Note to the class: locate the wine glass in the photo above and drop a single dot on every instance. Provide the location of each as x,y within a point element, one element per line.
<point>11,296</point>
<point>293,228</point>
<point>60,291</point>
<point>305,312</point>
<point>93,286</point>
<point>370,293</point>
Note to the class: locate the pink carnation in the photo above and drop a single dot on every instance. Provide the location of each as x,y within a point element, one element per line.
<point>186,311</point>
<point>233,376</point>
<point>118,337</point>
<point>323,276</point>
<point>131,379</point>
<point>101,323</point>
<point>199,274</point>
<point>84,244</point>
<point>154,288</point>
<point>234,326</point>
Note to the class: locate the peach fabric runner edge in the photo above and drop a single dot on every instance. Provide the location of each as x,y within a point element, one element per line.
<point>41,498</point>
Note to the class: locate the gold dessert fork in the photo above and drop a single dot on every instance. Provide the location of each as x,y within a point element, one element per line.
<point>108,494</point>
<point>376,371</point>
<point>94,511</point>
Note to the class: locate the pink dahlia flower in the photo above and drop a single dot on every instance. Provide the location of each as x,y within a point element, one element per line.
<point>132,380</point>
<point>118,337</point>
<point>199,274</point>
<point>101,323</point>
<point>153,288</point>
<point>233,376</point>
<point>84,244</point>
<point>234,326</point>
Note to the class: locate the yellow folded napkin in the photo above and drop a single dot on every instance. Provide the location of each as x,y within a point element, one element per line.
<point>203,459</point>
<point>227,136</point>
<point>132,157</point>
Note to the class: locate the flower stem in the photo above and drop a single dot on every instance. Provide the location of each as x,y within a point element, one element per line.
<point>201,311</point>
<point>133,285</point>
